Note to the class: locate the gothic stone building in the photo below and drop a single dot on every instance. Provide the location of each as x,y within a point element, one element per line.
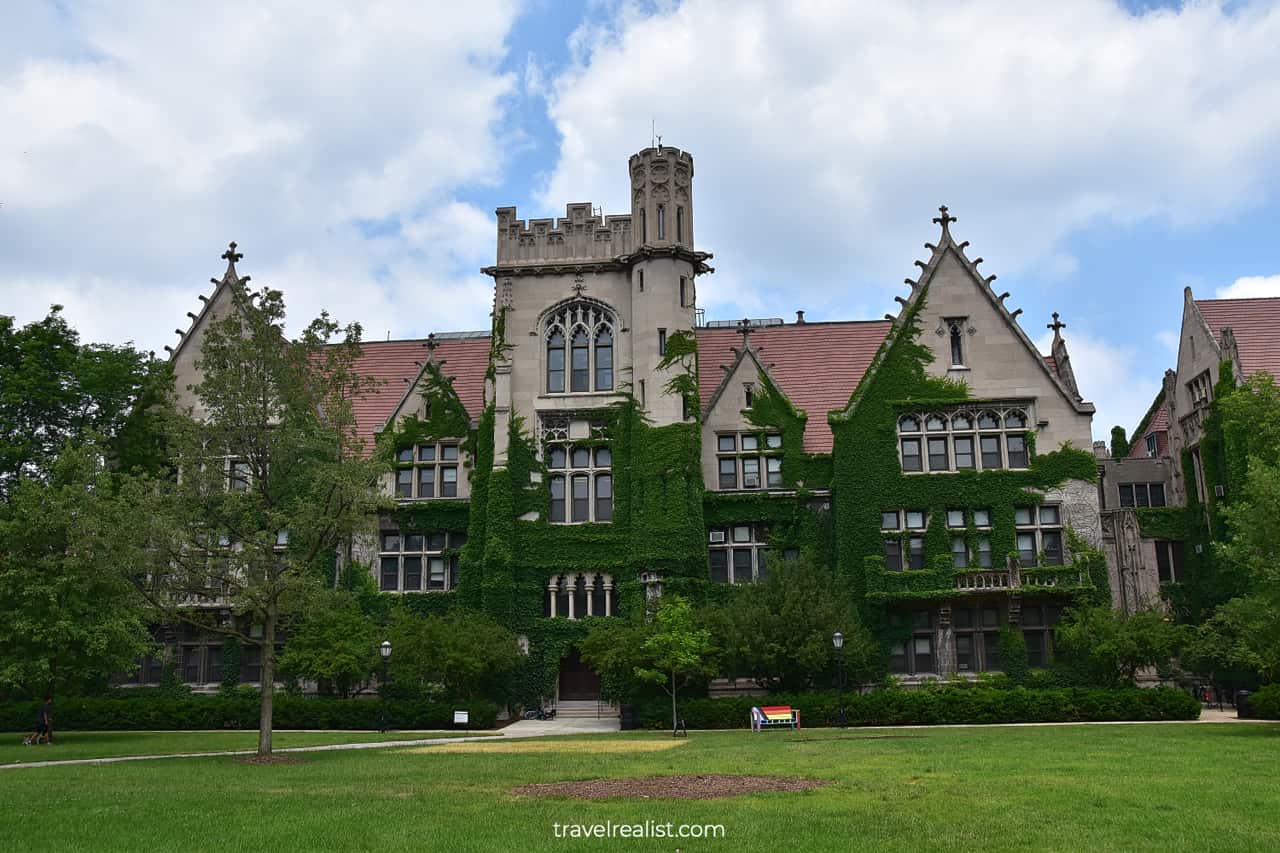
<point>1160,502</point>
<point>603,444</point>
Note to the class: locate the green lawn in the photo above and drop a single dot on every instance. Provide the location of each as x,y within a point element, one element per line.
<point>107,744</point>
<point>1154,787</point>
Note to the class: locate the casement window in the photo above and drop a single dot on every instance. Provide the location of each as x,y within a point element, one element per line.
<point>964,440</point>
<point>1037,629</point>
<point>738,554</point>
<point>426,471</point>
<point>238,475</point>
<point>1039,535</point>
<point>903,532</point>
<point>1153,446</point>
<point>977,637</point>
<point>749,460</point>
<point>1201,388</point>
<point>415,561</point>
<point>916,655</point>
<point>1141,494</point>
<point>579,340</point>
<point>1169,561</point>
<point>581,483</point>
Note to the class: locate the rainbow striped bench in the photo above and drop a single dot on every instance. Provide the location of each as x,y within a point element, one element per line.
<point>774,715</point>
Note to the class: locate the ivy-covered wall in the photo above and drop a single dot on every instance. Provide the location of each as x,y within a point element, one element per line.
<point>867,477</point>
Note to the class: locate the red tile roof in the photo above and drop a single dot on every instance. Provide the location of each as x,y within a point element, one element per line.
<point>817,365</point>
<point>1256,324</point>
<point>466,360</point>
<point>1159,427</point>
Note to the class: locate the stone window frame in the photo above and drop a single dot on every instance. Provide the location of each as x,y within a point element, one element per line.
<point>601,326</point>
<point>439,457</point>
<point>980,623</point>
<point>560,457</point>
<point>909,651</point>
<point>1169,561</point>
<point>1036,621</point>
<point>765,454</point>
<point>957,526</point>
<point>1044,524</point>
<point>1141,495</point>
<point>938,439</point>
<point>904,537</point>
<point>442,546</point>
<point>725,543</point>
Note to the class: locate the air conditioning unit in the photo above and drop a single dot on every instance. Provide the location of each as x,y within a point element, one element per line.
<point>716,537</point>
<point>1219,491</point>
<point>751,481</point>
<point>1199,548</point>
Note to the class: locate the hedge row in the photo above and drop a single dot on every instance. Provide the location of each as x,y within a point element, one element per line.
<point>220,712</point>
<point>1266,702</point>
<point>937,707</point>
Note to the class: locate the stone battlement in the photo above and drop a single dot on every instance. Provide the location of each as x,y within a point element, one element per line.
<point>579,235</point>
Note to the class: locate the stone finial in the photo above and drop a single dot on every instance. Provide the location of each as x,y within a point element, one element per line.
<point>230,256</point>
<point>944,220</point>
<point>431,345</point>
<point>1057,326</point>
<point>745,329</point>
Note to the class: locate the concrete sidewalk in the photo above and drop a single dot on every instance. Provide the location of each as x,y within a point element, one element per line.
<point>518,729</point>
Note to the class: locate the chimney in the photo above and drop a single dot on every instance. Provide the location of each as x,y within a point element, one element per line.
<point>799,318</point>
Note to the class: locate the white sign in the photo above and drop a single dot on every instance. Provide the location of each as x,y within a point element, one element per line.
<point>461,718</point>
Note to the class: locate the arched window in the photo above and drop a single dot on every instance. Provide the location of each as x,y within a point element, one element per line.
<point>580,364</point>
<point>957,346</point>
<point>579,341</point>
<point>555,362</point>
<point>604,359</point>
<point>662,222</point>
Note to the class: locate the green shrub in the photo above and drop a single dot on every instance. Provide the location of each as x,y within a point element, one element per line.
<point>239,710</point>
<point>1266,702</point>
<point>937,706</point>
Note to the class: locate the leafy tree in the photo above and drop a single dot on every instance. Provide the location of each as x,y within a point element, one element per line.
<point>614,648</point>
<point>677,649</point>
<point>335,644</point>
<point>1100,646</point>
<point>778,632</point>
<point>465,655</point>
<point>56,391</point>
<point>69,540</point>
<point>273,478</point>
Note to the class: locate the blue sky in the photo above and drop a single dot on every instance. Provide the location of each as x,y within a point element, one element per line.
<point>1100,161</point>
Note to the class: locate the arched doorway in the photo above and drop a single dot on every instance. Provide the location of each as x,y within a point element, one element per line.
<point>577,680</point>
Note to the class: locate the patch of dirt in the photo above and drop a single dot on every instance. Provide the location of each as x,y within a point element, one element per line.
<point>559,747</point>
<point>699,787</point>
<point>271,759</point>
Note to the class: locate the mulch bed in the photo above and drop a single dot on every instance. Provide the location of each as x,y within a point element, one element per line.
<point>271,759</point>
<point>699,787</point>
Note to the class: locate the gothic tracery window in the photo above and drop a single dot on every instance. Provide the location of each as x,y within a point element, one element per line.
<point>586,330</point>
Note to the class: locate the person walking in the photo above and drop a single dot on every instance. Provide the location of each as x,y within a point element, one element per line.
<point>44,724</point>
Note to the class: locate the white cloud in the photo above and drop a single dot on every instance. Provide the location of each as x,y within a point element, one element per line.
<point>1250,286</point>
<point>1168,340</point>
<point>1120,380</point>
<point>825,134</point>
<point>331,141</point>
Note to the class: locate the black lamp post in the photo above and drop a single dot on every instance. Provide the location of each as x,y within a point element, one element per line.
<point>837,641</point>
<point>385,651</point>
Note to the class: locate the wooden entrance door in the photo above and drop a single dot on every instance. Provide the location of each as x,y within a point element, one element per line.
<point>577,680</point>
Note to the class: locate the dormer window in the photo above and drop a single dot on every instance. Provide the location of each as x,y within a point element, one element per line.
<point>587,330</point>
<point>1152,446</point>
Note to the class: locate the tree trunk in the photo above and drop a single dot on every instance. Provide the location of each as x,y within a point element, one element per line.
<point>673,701</point>
<point>267,683</point>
